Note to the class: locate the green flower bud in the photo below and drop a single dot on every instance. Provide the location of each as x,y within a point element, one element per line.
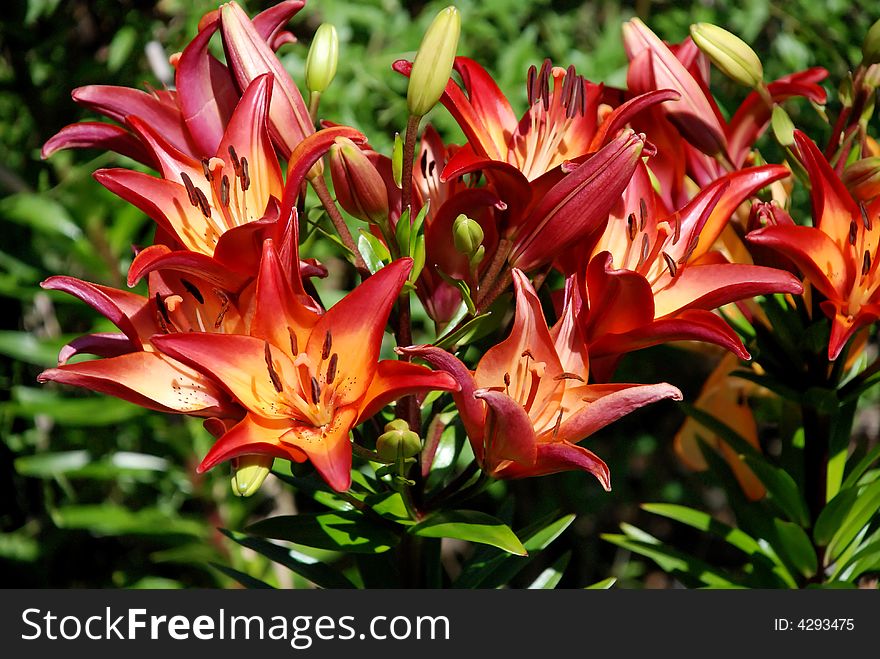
<point>396,424</point>
<point>249,472</point>
<point>433,62</point>
<point>467,235</point>
<point>733,56</point>
<point>871,45</point>
<point>783,128</point>
<point>398,444</point>
<point>322,59</point>
<point>397,160</point>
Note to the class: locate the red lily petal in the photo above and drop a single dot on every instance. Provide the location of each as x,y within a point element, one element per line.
<point>712,286</point>
<point>210,95</point>
<point>394,379</point>
<point>268,23</point>
<point>328,449</point>
<point>280,312</point>
<point>96,135</point>
<point>123,309</point>
<point>309,151</point>
<point>253,435</point>
<point>248,135</point>
<point>612,402</point>
<point>577,205</point>
<point>529,333</point>
<point>356,324</point>
<point>159,257</point>
<point>146,379</point>
<point>567,337</point>
<point>833,207</point>
<point>237,362</point>
<point>623,114</point>
<point>619,300</point>
<point>101,344</point>
<point>814,252</point>
<point>471,411</point>
<point>249,56</point>
<point>843,326</point>
<point>560,456</point>
<point>510,434</point>
<point>173,162</point>
<point>120,103</point>
<point>488,102</point>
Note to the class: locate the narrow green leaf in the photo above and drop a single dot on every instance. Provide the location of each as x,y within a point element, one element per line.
<point>112,520</point>
<point>861,467</point>
<point>315,571</point>
<point>781,489</point>
<point>841,431</point>
<point>605,584</point>
<point>41,214</point>
<point>550,578</point>
<point>375,254</point>
<point>833,514</point>
<point>25,347</point>
<point>705,522</point>
<point>472,526</point>
<point>347,531</point>
<point>86,411</point>
<point>796,546</point>
<point>860,514</point>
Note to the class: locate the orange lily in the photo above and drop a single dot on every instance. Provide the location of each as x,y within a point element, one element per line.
<point>726,398</point>
<point>528,404</point>
<point>131,368</point>
<point>650,281</point>
<point>305,378</point>
<point>838,254</point>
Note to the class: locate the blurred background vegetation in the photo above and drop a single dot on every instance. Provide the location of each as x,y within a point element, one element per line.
<point>97,492</point>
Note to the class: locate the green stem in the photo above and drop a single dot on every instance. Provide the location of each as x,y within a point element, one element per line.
<point>409,151</point>
<point>320,187</point>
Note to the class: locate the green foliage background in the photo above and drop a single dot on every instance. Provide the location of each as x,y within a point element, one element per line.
<point>97,492</point>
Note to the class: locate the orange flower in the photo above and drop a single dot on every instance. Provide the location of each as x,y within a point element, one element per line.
<point>528,404</point>
<point>305,378</point>
<point>838,255</point>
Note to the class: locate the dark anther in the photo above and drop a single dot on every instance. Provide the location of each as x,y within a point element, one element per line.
<point>677,228</point>
<point>643,213</point>
<point>631,226</point>
<point>644,255</point>
<point>544,82</point>
<point>507,379</point>
<point>224,191</point>
<point>328,343</point>
<point>164,318</point>
<point>865,219</point>
<point>224,300</point>
<point>316,390</point>
<point>203,203</point>
<point>245,176</point>
<point>195,292</point>
<point>331,368</point>
<point>294,345</point>
<point>206,169</point>
<point>234,157</point>
<point>190,188</point>
<point>273,374</point>
<point>423,164</point>
<point>866,263</point>
<point>569,376</point>
<point>527,353</point>
<point>670,263</point>
<point>853,232</point>
<point>531,84</point>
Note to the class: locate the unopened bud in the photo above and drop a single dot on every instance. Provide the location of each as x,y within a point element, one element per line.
<point>733,56</point>
<point>783,128</point>
<point>322,59</point>
<point>845,92</point>
<point>398,443</point>
<point>249,472</point>
<point>397,160</point>
<point>862,178</point>
<point>467,235</point>
<point>433,62</point>
<point>871,45</point>
<point>359,187</point>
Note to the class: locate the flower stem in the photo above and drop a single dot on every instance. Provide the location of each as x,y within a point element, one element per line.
<point>409,151</point>
<point>320,187</point>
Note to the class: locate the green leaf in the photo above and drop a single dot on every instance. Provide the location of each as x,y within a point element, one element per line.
<point>705,522</point>
<point>79,464</point>
<point>25,347</point>
<point>550,578</point>
<point>463,335</point>
<point>113,520</point>
<point>120,48</point>
<point>389,505</point>
<point>472,526</point>
<point>861,467</point>
<point>866,559</point>
<point>860,514</point>
<point>781,490</point>
<point>402,232</point>
<point>833,514</point>
<point>605,584</point>
<point>490,567</point>
<point>16,546</point>
<point>90,411</point>
<point>373,250</point>
<point>796,546</point>
<point>41,214</point>
<point>315,571</point>
<point>346,531</point>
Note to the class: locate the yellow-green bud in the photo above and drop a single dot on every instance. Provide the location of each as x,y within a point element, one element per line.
<point>733,56</point>
<point>871,45</point>
<point>322,59</point>
<point>433,62</point>
<point>396,424</point>
<point>398,444</point>
<point>249,472</point>
<point>467,235</point>
<point>862,178</point>
<point>783,127</point>
<point>397,160</point>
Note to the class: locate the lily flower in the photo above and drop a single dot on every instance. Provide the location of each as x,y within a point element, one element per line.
<point>652,280</point>
<point>192,117</point>
<point>838,254</point>
<point>130,367</point>
<point>305,378</point>
<point>527,405</point>
<point>725,397</point>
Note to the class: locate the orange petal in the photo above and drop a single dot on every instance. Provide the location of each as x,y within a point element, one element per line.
<point>394,379</point>
<point>253,435</point>
<point>328,448</point>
